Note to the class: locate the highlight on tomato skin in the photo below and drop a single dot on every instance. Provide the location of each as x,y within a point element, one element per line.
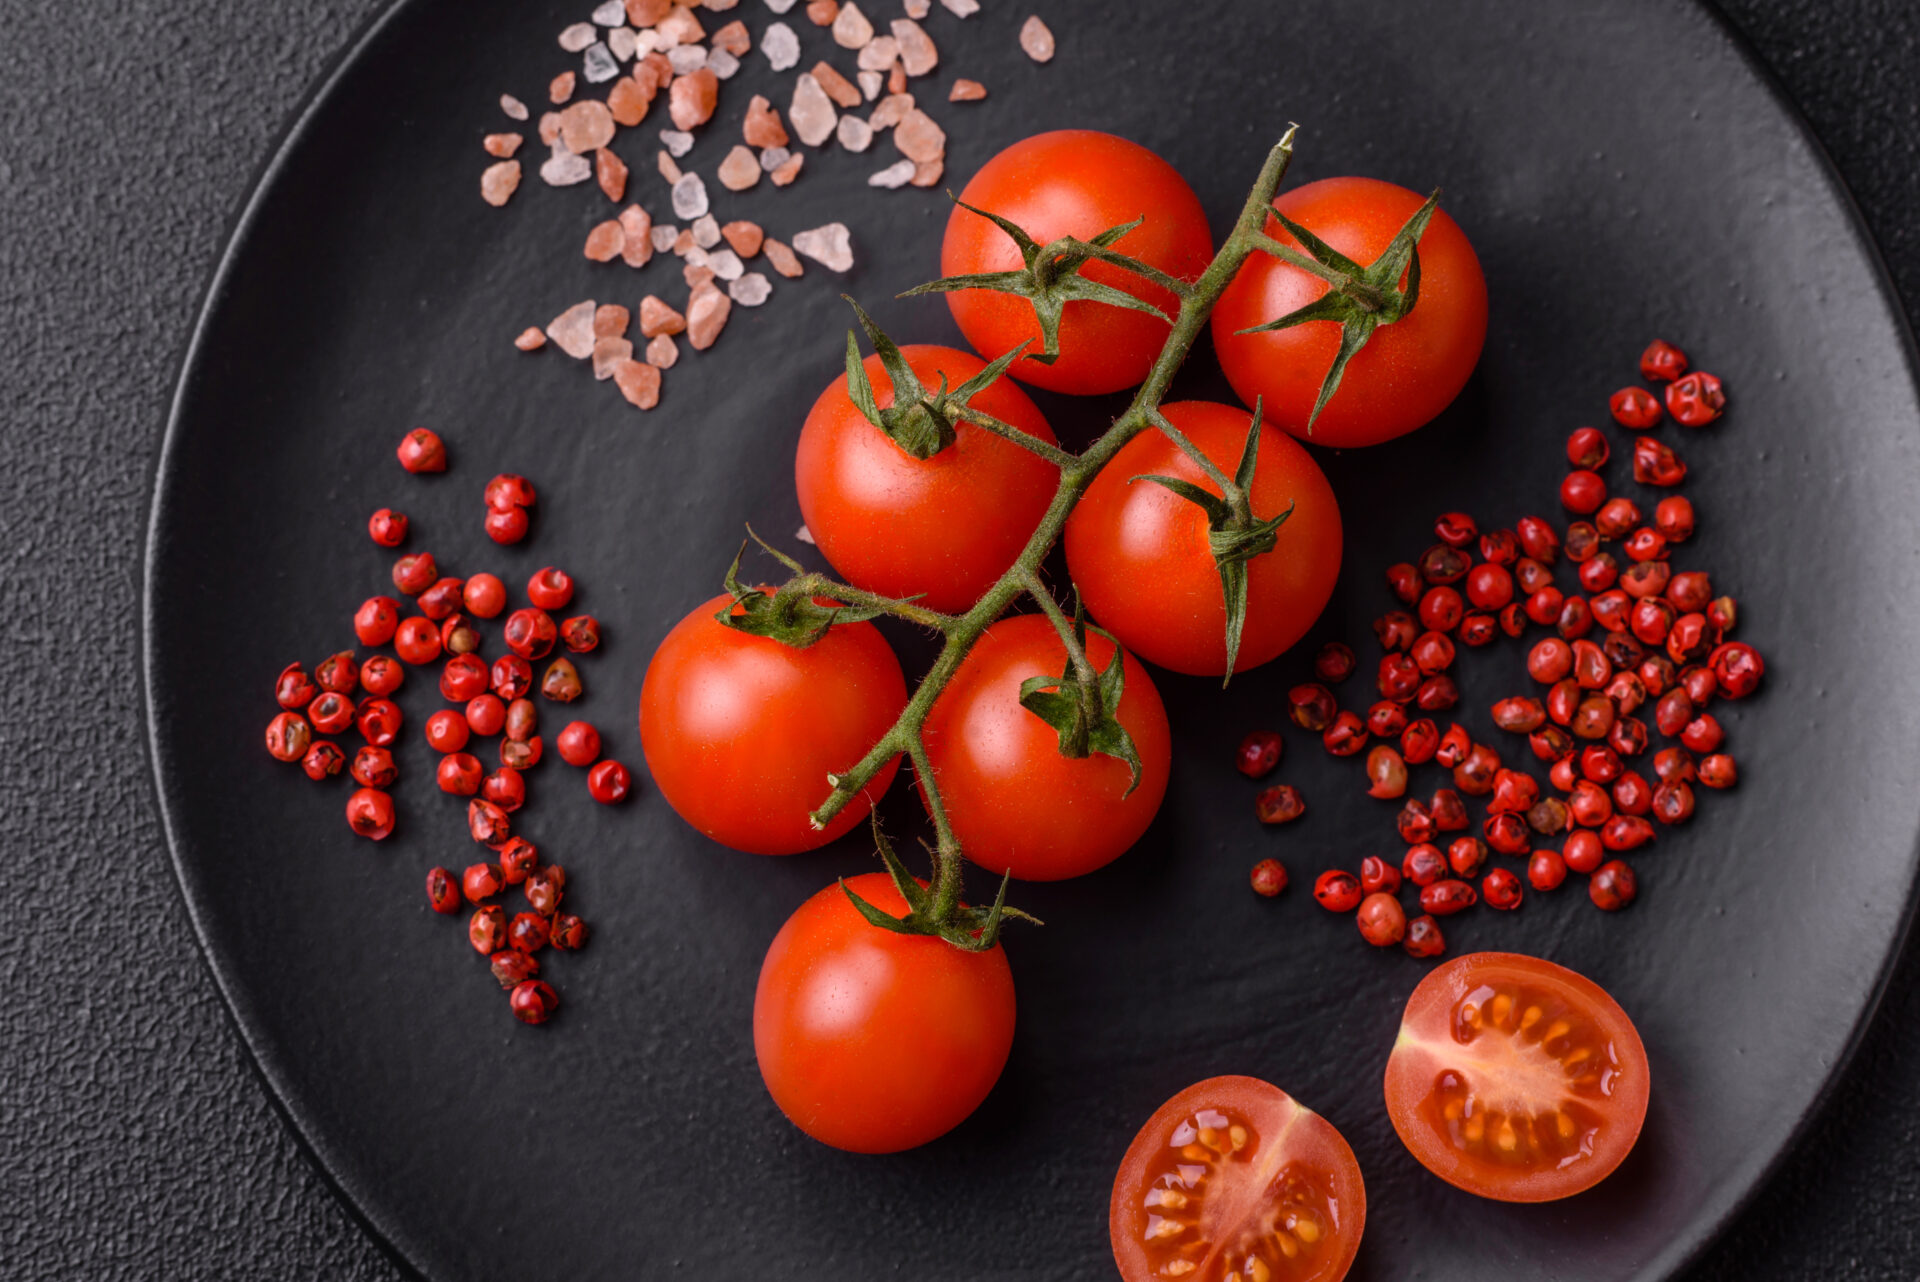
<point>1516,1079</point>
<point>1232,1180</point>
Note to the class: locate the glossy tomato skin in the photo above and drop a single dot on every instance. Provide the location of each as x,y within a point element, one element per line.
<point>1469,1052</point>
<point>1289,1194</point>
<point>740,732</point>
<point>1076,182</point>
<point>1407,373</point>
<point>1138,552</point>
<point>1015,802</point>
<point>871,1041</point>
<point>942,528</point>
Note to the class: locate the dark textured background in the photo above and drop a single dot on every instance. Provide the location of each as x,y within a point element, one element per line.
<point>134,1138</point>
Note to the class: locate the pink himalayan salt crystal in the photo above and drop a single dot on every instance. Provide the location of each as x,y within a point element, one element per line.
<point>638,382</point>
<point>854,133</point>
<point>578,37</point>
<point>610,320</point>
<point>611,173</point>
<point>680,27</point>
<point>917,52</point>
<point>572,330</point>
<point>549,128</point>
<point>733,38</point>
<point>1037,39</point>
<point>499,181</point>
<point>880,55</point>
<point>898,174</point>
<point>586,126</point>
<point>707,314</point>
<point>668,170</point>
<point>561,88</point>
<point>657,318</point>
<point>608,352</point>
<point>725,264</point>
<point>636,230</point>
<point>917,8</point>
<point>763,127</point>
<point>842,91</point>
<point>871,83</point>
<point>821,13</point>
<point>781,46</point>
<point>745,237</point>
<point>811,111</point>
<point>967,91</point>
<point>564,169</point>
<point>831,246</point>
<point>628,101</point>
<point>645,13</point>
<point>513,108</point>
<point>740,170</point>
<point>961,8</point>
<point>750,290</point>
<point>662,351</point>
<point>689,196</point>
<point>851,29</point>
<point>530,339</point>
<point>501,145</point>
<point>787,171</point>
<point>892,109</point>
<point>804,535</point>
<point>706,231</point>
<point>781,257</point>
<point>697,275</point>
<point>919,138</point>
<point>691,99</point>
<point>606,241</point>
<point>927,172</point>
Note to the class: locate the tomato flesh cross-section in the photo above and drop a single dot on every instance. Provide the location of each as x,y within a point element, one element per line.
<point>1233,1181</point>
<point>1516,1079</point>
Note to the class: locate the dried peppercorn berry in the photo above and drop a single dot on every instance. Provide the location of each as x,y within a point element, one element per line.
<point>511,677</point>
<point>1625,832</point>
<point>1404,580</point>
<point>459,773</point>
<point>529,633</point>
<point>1531,576</point>
<point>487,930</point>
<point>1499,547</point>
<point>1501,889</point>
<point>1446,897</point>
<point>1337,891</point>
<point>414,573</point>
<point>518,858</point>
<point>581,633</point>
<point>1519,715</point>
<point>422,450</point>
<point>505,788</point>
<point>442,598</point>
<point>1623,650</point>
<point>375,622</point>
<point>1489,586</point>
<point>521,754</point>
<point>1546,870</point>
<point>1583,492</point>
<point>550,588</point>
<point>1646,544</point>
<point>1436,694</point>
<point>1311,707</point>
<point>1583,852</point>
<point>443,892</point>
<point>487,823</point>
<point>323,760</point>
<point>1673,517</point>
<point>1702,684</point>
<point>608,782</point>
<point>1548,816</point>
<point>1627,736</point>
<point>1268,878</point>
<point>1690,591</point>
<point>1419,742</point>
<point>486,714</point>
<point>1672,763</point>
<point>1466,856</point>
<point>1651,619</point>
<point>1561,773</point>
<point>1455,745</point>
<point>522,720</point>
<point>483,596</point>
<point>533,1002</point>
<point>1507,833</point>
<point>528,932</point>
<point>1600,572</point>
<point>381,675</point>
<point>374,768</point>
<point>507,491</point>
<point>1543,607</point>
<point>1279,804</point>
<point>1423,864</point>
<point>1703,733</point>
<point>1415,822</point>
<point>578,744</point>
<point>1696,400</point>
<point>1587,448</point>
<point>1537,539</point>
<point>1611,609</point>
<point>330,713</point>
<point>1441,564</point>
<point>544,888</point>
<point>1551,743</point>
<point>1478,629</point>
<point>1634,408</point>
<point>1377,875</point>
<point>1718,770</point>
<point>370,814</point>
<point>1673,712</point>
<point>1382,921</point>
<point>387,527</point>
<point>511,969</point>
<point>1737,668</point>
<point>561,682</point>
<point>293,689</point>
<point>1611,887</point>
<point>289,736</point>
<point>1386,719</point>
<point>447,731</point>
<point>1662,362</point>
<point>1441,610</point>
<point>379,721</point>
<point>464,677</point>
<point>507,527</point>
<point>1550,660</point>
<point>1396,629</point>
<point>481,882</point>
<point>1424,938</point>
<point>1513,792</point>
<point>337,673</point>
<point>1333,663</point>
<point>1655,463</point>
<point>1563,700</point>
<point>1673,802</point>
<point>1455,529</point>
<point>1346,735</point>
<point>1448,811</point>
<point>1474,775</point>
<point>1582,542</point>
<point>1645,579</point>
<point>417,641</point>
<point>1632,794</point>
<point>1656,673</point>
<point>1589,804</point>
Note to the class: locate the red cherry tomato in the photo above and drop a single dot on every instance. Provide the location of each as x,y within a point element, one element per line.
<point>1138,552</point>
<point>1233,1178</point>
<point>740,732</point>
<point>1076,182</point>
<point>1516,1079</point>
<point>941,528</point>
<point>872,1041</point>
<point>1015,802</point>
<point>1407,373</point>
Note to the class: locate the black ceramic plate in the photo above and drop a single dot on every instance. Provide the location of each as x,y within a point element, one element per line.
<point>1624,171</point>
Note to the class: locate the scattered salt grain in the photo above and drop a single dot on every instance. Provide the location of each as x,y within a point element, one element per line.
<point>781,257</point>
<point>706,232</point>
<point>723,65</point>
<point>787,172</point>
<point>831,246</point>
<point>854,133</point>
<point>851,29</point>
<point>689,196</point>
<point>586,126</point>
<point>599,65</point>
<point>530,339</point>
<point>680,27</point>
<point>726,264</point>
<point>639,383</point>
<point>658,318</point>
<point>606,241</point>
<point>636,226</point>
<point>896,78</point>
<point>563,168</point>
<point>662,351</point>
<point>821,13</point>
<point>879,54</point>
<point>804,535</point>
<point>720,6</point>
<point>961,8</point>
<point>1037,39</point>
<point>611,173</point>
<point>762,127</point>
<point>917,8</point>
<point>678,141</point>
<point>733,39</point>
<point>607,352</point>
<point>512,107</point>
<point>628,101</point>
<point>686,59</point>
<point>501,146</point>
<point>692,98</point>
<point>774,157</point>
<point>927,173</point>
<point>781,46</point>
<point>750,290</point>
<point>683,243</point>
<point>560,88</point>
<point>811,113</point>
<point>579,36</point>
<point>741,169</point>
<point>918,137</point>
<point>843,91</point>
<point>780,6</point>
<point>620,43</point>
<point>967,91</point>
<point>898,174</point>
<point>871,82</point>
<point>611,14</point>
<point>610,320</point>
<point>892,109</point>
<point>645,13</point>
<point>572,330</point>
<point>668,170</point>
<point>917,52</point>
<point>745,237</point>
<point>696,275</point>
<point>695,257</point>
<point>707,312</point>
<point>663,235</point>
<point>498,182</point>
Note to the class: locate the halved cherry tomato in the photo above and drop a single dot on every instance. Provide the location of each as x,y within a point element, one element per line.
<point>1233,1179</point>
<point>1076,182</point>
<point>941,528</point>
<point>1516,1079</point>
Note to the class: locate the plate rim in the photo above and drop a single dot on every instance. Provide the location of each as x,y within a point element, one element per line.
<point>1720,1209</point>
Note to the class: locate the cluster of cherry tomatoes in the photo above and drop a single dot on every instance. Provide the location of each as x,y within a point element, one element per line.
<point>876,1041</point>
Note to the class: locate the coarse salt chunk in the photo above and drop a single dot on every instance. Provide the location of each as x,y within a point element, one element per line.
<point>804,535</point>
<point>707,312</point>
<point>706,231</point>
<point>1037,39</point>
<point>896,78</point>
<point>563,168</point>
<point>854,133</point>
<point>662,351</point>
<point>686,59</point>
<point>788,171</point>
<point>680,27</point>
<point>723,65</point>
<point>720,6</point>
<point>781,46</point>
<point>726,264</point>
<point>610,320</point>
<point>611,14</point>
<point>740,170</point>
<point>892,109</point>
<point>918,137</point>
<point>579,36</point>
<point>645,13</point>
<point>879,54</point>
<point>668,170</point>
<point>606,240</point>
<point>918,8</point>
<point>638,382</point>
<point>843,91</point>
<point>663,235</point>
<point>745,237</point>
<point>781,257</point>
<point>917,52</point>
<point>697,274</point>
<point>530,339</point>
<point>549,128</point>
<point>967,91</point>
<point>611,173</point>
<point>620,43</point>
<point>750,290</point>
<point>689,196</point>
<point>683,243</point>
<point>607,352</point>
<point>871,83</point>
<point>821,13</point>
<point>831,246</point>
<point>598,64</point>
<point>733,39</point>
<point>628,101</point>
<point>501,146</point>
<point>961,8</point>
<point>560,88</point>
<point>585,126</point>
<point>572,330</point>
<point>811,112</point>
<point>927,172</point>
<point>691,98</point>
<point>850,27</point>
<point>762,127</point>
<point>658,317</point>
<point>636,226</point>
<point>898,174</point>
<point>499,181</point>
<point>780,6</point>
<point>679,142</point>
<point>774,157</point>
<point>512,107</point>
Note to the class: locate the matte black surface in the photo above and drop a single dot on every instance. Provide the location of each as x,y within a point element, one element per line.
<point>133,1137</point>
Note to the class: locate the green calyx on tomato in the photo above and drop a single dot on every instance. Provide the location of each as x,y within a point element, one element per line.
<point>1235,535</point>
<point>1083,704</point>
<point>790,614</point>
<point>919,422</point>
<point>970,929</point>
<point>1050,277</point>
<point>1361,298</point>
